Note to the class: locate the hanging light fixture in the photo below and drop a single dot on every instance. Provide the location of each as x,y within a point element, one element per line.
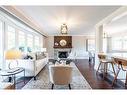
<point>64,29</point>
<point>105,35</point>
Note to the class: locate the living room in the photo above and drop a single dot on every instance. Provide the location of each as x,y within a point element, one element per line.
<point>62,47</point>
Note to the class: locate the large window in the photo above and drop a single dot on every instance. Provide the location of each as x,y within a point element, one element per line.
<point>36,43</point>
<point>17,35</point>
<point>125,43</point>
<point>30,42</point>
<point>116,43</point>
<point>91,44</point>
<point>21,39</point>
<point>11,37</point>
<point>1,43</point>
<point>119,43</point>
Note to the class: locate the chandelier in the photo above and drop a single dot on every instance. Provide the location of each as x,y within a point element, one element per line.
<point>64,29</point>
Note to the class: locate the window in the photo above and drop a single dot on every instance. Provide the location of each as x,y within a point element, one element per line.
<point>91,45</point>
<point>1,44</point>
<point>119,43</point>
<point>41,41</point>
<point>29,42</point>
<point>10,37</point>
<point>21,39</point>
<point>15,34</point>
<point>125,43</point>
<point>116,43</point>
<point>105,45</point>
<point>37,43</point>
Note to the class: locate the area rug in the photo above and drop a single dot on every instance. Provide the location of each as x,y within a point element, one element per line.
<point>42,82</point>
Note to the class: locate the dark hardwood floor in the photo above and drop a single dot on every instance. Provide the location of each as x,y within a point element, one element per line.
<point>20,82</point>
<point>96,81</point>
<point>89,73</point>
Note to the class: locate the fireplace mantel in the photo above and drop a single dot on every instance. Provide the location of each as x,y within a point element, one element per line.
<point>57,40</point>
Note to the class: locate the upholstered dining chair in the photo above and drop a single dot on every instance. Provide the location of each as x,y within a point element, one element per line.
<point>121,65</point>
<point>60,75</point>
<point>103,64</point>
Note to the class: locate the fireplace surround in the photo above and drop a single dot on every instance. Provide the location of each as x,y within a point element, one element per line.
<point>61,53</point>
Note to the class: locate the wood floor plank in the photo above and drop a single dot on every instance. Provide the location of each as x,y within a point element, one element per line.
<point>95,80</point>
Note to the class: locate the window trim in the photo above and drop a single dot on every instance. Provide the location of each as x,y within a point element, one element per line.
<point>87,44</point>
<point>118,50</point>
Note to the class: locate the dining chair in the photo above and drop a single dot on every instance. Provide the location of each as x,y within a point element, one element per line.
<point>121,65</point>
<point>103,64</point>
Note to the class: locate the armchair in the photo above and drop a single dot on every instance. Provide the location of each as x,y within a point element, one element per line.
<point>60,75</point>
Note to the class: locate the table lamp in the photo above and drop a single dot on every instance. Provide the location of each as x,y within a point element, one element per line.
<point>12,55</point>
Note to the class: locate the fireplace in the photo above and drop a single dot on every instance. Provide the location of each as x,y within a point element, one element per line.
<point>62,54</point>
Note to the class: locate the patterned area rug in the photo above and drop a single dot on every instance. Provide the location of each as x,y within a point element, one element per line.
<point>42,82</point>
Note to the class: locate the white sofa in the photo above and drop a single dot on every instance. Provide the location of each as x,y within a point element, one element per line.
<point>32,66</point>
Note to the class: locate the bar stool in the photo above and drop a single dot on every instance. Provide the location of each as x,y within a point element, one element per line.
<point>121,65</point>
<point>104,62</point>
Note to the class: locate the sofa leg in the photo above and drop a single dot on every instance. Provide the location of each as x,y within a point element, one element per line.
<point>69,85</point>
<point>52,86</point>
<point>35,78</point>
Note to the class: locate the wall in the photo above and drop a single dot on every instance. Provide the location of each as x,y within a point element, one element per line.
<point>78,44</point>
<point>44,41</point>
<point>49,45</point>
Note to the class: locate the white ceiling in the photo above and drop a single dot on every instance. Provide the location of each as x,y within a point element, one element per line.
<point>80,19</point>
<point>118,24</point>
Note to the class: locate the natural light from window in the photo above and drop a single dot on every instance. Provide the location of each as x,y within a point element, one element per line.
<point>10,37</point>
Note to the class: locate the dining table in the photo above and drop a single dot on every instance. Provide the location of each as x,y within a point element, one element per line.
<point>121,66</point>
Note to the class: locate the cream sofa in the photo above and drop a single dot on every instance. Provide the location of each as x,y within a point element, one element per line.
<point>32,66</point>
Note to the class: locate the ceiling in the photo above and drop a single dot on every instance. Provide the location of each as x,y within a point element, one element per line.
<point>118,25</point>
<point>79,19</point>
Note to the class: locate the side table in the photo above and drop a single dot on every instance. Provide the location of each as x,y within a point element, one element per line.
<point>12,73</point>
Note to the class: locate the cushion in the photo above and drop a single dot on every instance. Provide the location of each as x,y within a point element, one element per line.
<point>40,55</point>
<point>29,56</point>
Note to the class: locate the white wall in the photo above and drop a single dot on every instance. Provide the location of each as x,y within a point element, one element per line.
<point>78,44</point>
<point>44,41</point>
<point>49,45</point>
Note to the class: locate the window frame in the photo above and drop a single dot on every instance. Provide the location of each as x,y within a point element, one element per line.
<point>6,35</point>
<point>122,45</point>
<point>87,46</point>
<point>19,26</point>
<point>2,44</point>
